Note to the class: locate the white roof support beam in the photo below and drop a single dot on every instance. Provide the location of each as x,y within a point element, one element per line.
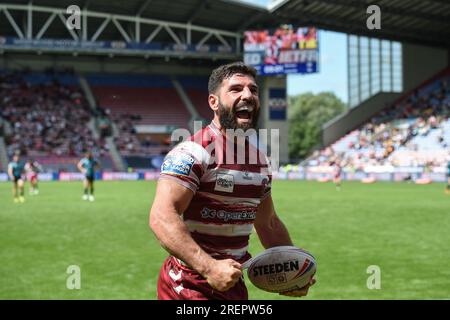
<point>72,33</point>
<point>100,29</point>
<point>46,25</point>
<point>153,34</point>
<point>221,39</point>
<point>172,34</point>
<point>205,38</point>
<point>188,34</point>
<point>137,31</point>
<point>84,21</point>
<point>13,23</point>
<point>30,21</point>
<point>121,30</point>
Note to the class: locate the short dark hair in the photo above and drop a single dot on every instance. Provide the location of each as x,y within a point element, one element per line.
<point>226,71</point>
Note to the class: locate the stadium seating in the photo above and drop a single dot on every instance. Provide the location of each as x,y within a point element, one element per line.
<point>131,100</point>
<point>413,132</point>
<point>197,91</point>
<point>153,98</point>
<point>49,116</point>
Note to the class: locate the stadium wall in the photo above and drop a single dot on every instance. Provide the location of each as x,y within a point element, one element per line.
<point>321,174</point>
<point>353,118</point>
<point>421,63</point>
<point>273,114</point>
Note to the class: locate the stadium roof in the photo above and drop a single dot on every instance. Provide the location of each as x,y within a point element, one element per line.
<point>218,14</point>
<point>420,21</point>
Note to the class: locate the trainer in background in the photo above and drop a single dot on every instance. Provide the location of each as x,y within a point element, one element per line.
<point>205,208</point>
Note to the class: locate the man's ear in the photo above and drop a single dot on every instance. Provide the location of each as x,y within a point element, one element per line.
<point>213,101</point>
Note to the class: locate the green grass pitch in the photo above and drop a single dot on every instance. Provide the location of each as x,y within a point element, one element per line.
<point>402,228</point>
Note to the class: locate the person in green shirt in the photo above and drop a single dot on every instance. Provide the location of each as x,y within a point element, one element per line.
<point>87,166</point>
<point>15,173</point>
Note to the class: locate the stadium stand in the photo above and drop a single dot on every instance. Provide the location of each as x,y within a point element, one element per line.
<point>48,115</point>
<point>131,100</point>
<point>128,142</point>
<point>149,97</point>
<point>413,132</point>
<point>197,90</point>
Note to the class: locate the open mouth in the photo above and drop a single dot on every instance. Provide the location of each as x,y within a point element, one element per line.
<point>243,114</point>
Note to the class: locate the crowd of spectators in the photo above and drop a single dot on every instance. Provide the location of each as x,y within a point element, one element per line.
<point>48,119</point>
<point>129,142</point>
<point>378,141</point>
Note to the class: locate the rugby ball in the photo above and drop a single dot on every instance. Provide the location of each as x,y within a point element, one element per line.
<point>281,269</point>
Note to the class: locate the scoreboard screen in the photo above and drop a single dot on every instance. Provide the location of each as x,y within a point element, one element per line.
<point>282,51</point>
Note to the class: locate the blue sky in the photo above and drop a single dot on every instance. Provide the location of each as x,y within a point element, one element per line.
<point>332,75</point>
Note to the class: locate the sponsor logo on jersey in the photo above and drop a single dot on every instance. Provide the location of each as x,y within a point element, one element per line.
<point>224,183</point>
<point>179,164</point>
<point>226,215</point>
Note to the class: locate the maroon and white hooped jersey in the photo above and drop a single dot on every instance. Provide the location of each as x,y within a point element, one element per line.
<point>228,186</point>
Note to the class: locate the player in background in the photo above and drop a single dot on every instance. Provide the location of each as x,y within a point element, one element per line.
<point>447,189</point>
<point>87,166</point>
<point>32,169</point>
<point>15,173</point>
<point>337,173</point>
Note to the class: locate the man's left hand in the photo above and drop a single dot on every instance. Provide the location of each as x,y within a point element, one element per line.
<point>300,292</point>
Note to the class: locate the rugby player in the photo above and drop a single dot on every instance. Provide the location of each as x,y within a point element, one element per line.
<point>205,207</point>
<point>87,166</point>
<point>447,189</point>
<point>32,168</point>
<point>15,173</point>
<point>337,172</point>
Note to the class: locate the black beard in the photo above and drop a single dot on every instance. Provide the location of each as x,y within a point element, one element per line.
<point>228,119</point>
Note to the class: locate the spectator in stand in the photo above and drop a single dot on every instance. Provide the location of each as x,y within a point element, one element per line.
<point>391,129</point>
<point>47,119</point>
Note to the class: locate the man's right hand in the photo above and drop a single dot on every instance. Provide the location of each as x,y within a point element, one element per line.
<point>222,275</point>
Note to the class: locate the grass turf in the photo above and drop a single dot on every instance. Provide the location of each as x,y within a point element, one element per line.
<point>402,228</point>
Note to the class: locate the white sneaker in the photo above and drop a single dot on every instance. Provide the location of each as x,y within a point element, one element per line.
<point>85,197</point>
<point>91,198</point>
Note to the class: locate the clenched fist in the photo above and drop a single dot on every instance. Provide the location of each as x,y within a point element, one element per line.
<point>222,275</point>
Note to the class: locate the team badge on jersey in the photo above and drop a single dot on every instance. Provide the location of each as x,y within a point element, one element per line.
<point>179,164</point>
<point>224,183</point>
<point>247,176</point>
